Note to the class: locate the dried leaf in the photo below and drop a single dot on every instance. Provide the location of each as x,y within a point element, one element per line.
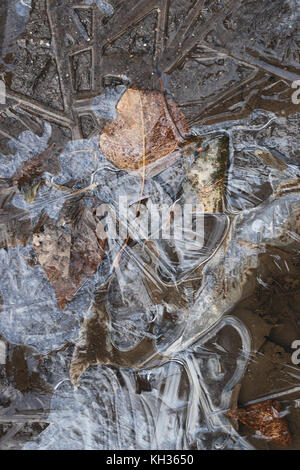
<point>15,226</point>
<point>95,345</point>
<point>142,115</point>
<point>68,250</point>
<point>264,418</point>
<point>28,175</point>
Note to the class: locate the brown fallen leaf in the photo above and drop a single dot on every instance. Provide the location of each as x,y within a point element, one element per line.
<point>28,176</point>
<point>68,249</point>
<point>15,226</point>
<point>95,345</point>
<point>15,223</point>
<point>271,160</point>
<point>142,116</point>
<point>264,418</point>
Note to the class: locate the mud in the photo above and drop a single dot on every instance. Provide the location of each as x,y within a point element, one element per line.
<point>229,67</point>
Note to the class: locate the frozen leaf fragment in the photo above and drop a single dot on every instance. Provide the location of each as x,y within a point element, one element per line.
<point>146,124</point>
<point>28,175</point>
<point>207,175</point>
<point>15,227</point>
<point>15,223</point>
<point>265,419</point>
<point>68,250</point>
<point>95,345</point>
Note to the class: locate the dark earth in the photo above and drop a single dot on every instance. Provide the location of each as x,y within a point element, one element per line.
<point>207,56</point>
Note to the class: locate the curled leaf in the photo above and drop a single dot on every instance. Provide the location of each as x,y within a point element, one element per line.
<point>144,117</point>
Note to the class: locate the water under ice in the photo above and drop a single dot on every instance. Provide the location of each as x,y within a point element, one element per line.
<point>137,358</point>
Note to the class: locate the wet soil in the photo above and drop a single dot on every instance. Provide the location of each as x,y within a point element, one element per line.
<point>218,68</point>
<point>272,315</point>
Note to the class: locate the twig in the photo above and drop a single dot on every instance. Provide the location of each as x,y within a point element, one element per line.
<point>118,257</point>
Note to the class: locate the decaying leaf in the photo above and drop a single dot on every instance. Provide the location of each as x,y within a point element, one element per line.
<point>28,175</point>
<point>142,115</point>
<point>264,418</point>
<point>68,250</point>
<point>95,345</point>
<point>15,223</point>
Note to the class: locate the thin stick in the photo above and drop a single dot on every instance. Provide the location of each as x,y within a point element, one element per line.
<point>118,257</point>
